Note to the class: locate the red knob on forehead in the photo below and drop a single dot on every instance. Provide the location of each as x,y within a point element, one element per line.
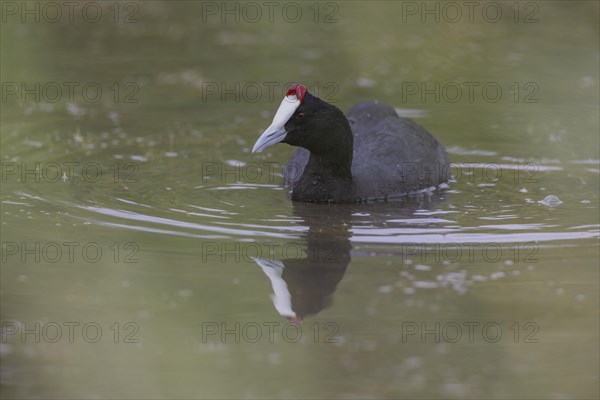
<point>298,89</point>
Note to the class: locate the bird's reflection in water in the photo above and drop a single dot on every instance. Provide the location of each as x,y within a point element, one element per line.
<point>305,286</point>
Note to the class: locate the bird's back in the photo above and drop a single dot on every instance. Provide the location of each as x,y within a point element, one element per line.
<point>392,156</point>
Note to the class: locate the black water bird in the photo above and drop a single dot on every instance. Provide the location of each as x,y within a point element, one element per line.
<point>372,154</point>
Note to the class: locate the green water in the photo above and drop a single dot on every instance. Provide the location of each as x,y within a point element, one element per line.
<point>138,210</point>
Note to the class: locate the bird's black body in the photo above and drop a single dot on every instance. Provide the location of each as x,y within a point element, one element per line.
<point>370,155</point>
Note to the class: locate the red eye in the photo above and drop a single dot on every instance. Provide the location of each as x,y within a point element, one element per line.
<point>300,116</point>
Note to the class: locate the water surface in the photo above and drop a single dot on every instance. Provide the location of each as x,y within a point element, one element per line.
<point>485,289</point>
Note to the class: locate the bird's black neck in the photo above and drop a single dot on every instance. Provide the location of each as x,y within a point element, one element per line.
<point>334,165</point>
<point>328,174</point>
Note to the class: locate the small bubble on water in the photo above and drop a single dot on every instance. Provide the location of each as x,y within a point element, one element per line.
<point>5,349</point>
<point>409,290</point>
<point>497,275</point>
<point>425,285</point>
<point>365,82</point>
<point>413,362</point>
<point>550,201</point>
<point>386,289</point>
<point>235,163</point>
<point>144,314</point>
<point>421,267</point>
<point>586,82</point>
<point>338,341</point>
<point>274,358</point>
<point>114,117</point>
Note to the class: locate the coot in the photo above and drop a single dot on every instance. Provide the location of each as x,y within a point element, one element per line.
<point>372,154</point>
